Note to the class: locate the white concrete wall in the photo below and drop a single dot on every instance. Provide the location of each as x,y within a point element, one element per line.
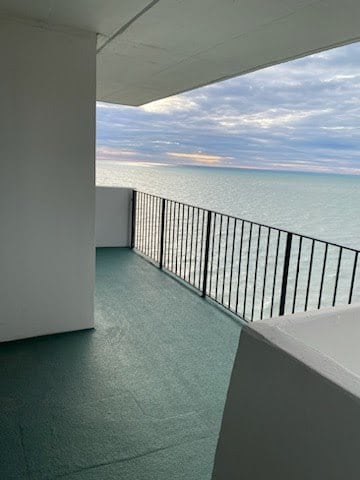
<point>47,188</point>
<point>293,406</point>
<point>113,217</point>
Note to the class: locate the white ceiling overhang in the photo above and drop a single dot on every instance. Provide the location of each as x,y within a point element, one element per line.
<point>152,49</point>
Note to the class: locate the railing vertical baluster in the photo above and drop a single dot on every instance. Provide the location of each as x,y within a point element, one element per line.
<point>153,232</point>
<point>146,250</point>
<point>285,275</point>
<point>337,277</point>
<point>247,268</point>
<point>141,220</point>
<point>232,263</point>
<point>297,274</point>
<point>309,275</point>
<point>218,257</point>
<point>177,237</point>
<point>152,229</point>
<point>256,272</point>
<point>206,253</point>
<point>212,254</point>
<point>353,277</point>
<point>225,259</point>
<point>191,243</point>
<point>186,239</point>
<point>173,236</point>
<point>151,225</point>
<point>239,267</point>
<point>265,273</point>
<point>133,219</point>
<point>158,229</point>
<point>323,275</point>
<point>181,242</point>
<point>162,231</point>
<point>196,246</point>
<point>275,273</point>
<point>202,248</point>
<point>167,233</point>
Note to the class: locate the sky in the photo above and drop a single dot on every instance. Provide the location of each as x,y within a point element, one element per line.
<point>303,115</point>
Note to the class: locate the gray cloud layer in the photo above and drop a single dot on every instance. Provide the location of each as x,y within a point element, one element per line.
<point>303,115</point>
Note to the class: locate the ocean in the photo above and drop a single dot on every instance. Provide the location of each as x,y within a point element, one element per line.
<point>324,206</point>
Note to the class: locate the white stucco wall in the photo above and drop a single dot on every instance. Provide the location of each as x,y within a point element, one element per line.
<point>47,188</point>
<point>113,217</point>
<point>293,408</point>
<point>335,332</point>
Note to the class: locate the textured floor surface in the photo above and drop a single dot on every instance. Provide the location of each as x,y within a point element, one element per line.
<point>138,398</point>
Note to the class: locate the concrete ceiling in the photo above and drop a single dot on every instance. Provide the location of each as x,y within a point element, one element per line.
<point>152,49</point>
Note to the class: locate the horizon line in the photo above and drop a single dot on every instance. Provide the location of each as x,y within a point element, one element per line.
<point>147,164</point>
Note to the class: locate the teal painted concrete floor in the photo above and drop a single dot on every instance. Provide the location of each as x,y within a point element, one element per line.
<point>138,398</point>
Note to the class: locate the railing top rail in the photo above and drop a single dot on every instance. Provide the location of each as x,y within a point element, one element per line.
<point>308,237</point>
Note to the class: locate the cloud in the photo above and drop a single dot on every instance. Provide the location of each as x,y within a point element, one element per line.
<point>106,106</point>
<point>108,153</point>
<point>265,119</point>
<point>302,115</point>
<point>199,158</point>
<point>170,105</point>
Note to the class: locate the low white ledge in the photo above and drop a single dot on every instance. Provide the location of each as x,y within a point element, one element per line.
<point>113,217</point>
<point>293,409</point>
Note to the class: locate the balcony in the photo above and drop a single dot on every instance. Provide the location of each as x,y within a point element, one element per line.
<point>145,394</point>
<point>141,396</point>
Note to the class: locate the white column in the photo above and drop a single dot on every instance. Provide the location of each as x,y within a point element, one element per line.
<point>47,187</point>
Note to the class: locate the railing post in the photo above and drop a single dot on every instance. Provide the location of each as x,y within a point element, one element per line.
<point>162,233</point>
<point>285,273</point>
<point>133,219</point>
<point>206,253</point>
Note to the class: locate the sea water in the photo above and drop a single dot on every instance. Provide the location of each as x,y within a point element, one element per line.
<point>325,206</point>
<point>316,205</point>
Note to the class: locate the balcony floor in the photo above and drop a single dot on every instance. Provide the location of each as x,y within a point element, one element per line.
<point>138,398</point>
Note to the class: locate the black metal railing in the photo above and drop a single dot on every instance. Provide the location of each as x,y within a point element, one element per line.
<point>256,271</point>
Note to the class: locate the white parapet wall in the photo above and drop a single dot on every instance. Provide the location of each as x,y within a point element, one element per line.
<point>293,405</point>
<point>113,217</point>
